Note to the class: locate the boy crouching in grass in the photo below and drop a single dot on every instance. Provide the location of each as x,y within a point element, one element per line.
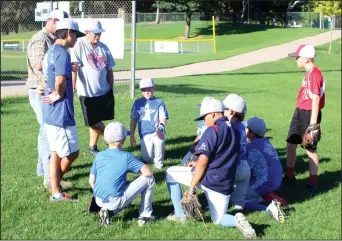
<point>108,178</point>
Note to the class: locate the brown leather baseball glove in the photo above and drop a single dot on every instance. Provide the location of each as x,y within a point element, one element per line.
<point>192,207</point>
<point>311,136</point>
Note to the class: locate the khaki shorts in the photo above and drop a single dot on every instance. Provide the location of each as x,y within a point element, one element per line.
<point>64,141</point>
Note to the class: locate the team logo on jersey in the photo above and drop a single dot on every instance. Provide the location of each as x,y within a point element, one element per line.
<point>96,60</point>
<point>202,147</point>
<point>145,113</point>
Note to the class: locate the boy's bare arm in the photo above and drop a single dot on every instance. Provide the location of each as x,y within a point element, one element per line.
<point>146,171</point>
<point>92,180</point>
<point>201,166</point>
<point>132,128</point>
<point>315,109</point>
<point>74,78</point>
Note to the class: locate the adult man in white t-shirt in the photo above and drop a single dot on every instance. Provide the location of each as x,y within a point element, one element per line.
<point>94,81</point>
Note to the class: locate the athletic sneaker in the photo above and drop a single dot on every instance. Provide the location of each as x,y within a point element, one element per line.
<point>92,150</point>
<point>289,181</point>
<point>143,220</point>
<point>63,197</point>
<point>275,211</point>
<point>312,188</point>
<point>104,217</point>
<point>244,226</point>
<point>173,217</point>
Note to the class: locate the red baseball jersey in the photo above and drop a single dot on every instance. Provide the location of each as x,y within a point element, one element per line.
<point>313,83</point>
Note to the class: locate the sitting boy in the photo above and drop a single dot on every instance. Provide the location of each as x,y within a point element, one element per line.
<point>266,171</point>
<point>213,172</point>
<point>235,109</point>
<point>108,178</point>
<point>151,114</point>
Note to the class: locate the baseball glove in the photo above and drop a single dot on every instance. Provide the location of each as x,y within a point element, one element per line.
<point>311,136</point>
<point>192,207</point>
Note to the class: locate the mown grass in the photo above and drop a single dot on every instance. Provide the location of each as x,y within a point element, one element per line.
<point>270,91</point>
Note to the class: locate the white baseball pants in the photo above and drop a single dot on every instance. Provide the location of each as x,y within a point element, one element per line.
<point>242,176</point>
<point>153,149</point>
<point>217,202</point>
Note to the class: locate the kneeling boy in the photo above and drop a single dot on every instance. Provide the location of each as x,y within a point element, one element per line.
<point>108,178</point>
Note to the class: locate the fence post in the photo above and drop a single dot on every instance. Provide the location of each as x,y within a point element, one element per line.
<point>214,33</point>
<point>320,20</point>
<point>2,46</point>
<point>133,50</point>
<point>181,47</point>
<point>23,46</point>
<point>197,47</point>
<point>151,47</point>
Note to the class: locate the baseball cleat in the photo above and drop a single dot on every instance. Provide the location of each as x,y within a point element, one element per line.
<point>275,211</point>
<point>174,218</point>
<point>143,220</point>
<point>104,217</point>
<point>244,226</point>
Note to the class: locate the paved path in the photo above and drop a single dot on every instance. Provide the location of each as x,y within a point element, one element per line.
<point>208,67</point>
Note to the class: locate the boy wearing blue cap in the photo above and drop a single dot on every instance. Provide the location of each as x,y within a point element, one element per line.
<point>266,171</point>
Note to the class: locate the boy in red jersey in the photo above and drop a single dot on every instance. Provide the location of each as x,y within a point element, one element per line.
<point>310,101</point>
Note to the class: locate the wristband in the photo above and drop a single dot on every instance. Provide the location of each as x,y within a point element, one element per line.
<point>192,191</point>
<point>161,127</point>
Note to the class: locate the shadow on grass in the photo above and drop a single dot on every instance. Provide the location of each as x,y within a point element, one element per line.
<point>298,193</point>
<point>187,89</point>
<point>301,164</point>
<point>13,75</point>
<point>261,73</point>
<point>231,28</point>
<point>81,166</point>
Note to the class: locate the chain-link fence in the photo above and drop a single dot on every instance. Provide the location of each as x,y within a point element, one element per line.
<point>171,17</point>
<point>18,25</point>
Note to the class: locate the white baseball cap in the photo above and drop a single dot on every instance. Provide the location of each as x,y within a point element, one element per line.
<point>257,125</point>
<point>209,106</point>
<point>146,83</point>
<point>95,26</point>
<point>204,100</point>
<point>235,103</point>
<point>115,131</point>
<point>305,51</point>
<point>58,14</point>
<point>68,23</point>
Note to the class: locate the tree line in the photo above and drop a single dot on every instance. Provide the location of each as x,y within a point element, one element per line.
<point>18,16</point>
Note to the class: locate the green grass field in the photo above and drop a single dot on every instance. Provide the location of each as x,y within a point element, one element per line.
<point>231,40</point>
<point>270,91</point>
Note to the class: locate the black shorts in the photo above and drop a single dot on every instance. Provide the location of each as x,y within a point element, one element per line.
<point>97,109</point>
<point>300,121</point>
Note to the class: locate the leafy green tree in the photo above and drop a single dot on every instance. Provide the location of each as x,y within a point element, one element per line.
<point>17,16</point>
<point>331,9</point>
<point>187,6</point>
